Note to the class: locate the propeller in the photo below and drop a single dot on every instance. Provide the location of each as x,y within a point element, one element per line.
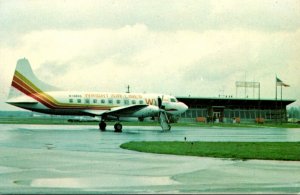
<point>160,101</point>
<point>162,115</point>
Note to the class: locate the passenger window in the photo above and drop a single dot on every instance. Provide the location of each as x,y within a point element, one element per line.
<point>118,101</point>
<point>79,101</point>
<point>95,101</point>
<point>110,101</point>
<point>87,101</point>
<point>103,101</point>
<point>141,102</point>
<point>133,102</point>
<point>126,102</point>
<point>70,100</point>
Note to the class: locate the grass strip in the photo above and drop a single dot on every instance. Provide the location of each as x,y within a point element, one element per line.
<point>289,151</point>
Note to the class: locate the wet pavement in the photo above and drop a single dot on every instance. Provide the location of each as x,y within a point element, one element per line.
<point>80,159</point>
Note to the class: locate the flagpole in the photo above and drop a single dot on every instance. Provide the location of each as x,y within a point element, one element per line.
<point>278,81</point>
<point>280,104</point>
<point>276,99</point>
<point>276,87</point>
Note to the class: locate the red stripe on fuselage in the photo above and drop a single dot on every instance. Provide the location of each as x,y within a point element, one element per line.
<point>28,90</point>
<point>21,86</point>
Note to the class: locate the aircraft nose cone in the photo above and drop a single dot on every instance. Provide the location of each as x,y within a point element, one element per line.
<point>184,107</point>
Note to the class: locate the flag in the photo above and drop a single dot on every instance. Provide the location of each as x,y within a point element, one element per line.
<point>280,83</point>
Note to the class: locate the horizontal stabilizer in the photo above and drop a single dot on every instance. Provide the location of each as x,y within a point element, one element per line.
<point>11,102</point>
<point>22,100</point>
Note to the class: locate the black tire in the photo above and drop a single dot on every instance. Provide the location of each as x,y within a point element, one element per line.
<point>118,127</point>
<point>102,126</point>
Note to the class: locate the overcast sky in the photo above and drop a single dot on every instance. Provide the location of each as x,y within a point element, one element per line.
<point>197,48</point>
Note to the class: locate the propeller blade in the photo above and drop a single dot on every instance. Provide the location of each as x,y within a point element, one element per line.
<point>164,121</point>
<point>159,100</point>
<point>162,115</point>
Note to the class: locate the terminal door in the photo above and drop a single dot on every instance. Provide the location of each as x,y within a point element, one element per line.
<point>216,114</point>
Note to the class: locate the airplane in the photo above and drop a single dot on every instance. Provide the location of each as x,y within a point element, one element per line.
<point>28,92</point>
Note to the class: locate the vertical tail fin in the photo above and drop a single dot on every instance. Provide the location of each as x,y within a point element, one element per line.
<point>25,82</point>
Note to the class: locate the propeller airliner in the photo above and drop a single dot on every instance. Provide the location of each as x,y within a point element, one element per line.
<point>28,92</point>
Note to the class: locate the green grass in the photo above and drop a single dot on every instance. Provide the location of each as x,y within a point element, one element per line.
<point>234,150</point>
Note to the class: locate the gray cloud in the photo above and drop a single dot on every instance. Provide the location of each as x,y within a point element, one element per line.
<point>178,47</point>
<point>52,69</point>
<point>26,16</point>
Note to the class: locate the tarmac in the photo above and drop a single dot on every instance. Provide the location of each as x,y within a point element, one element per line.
<point>81,159</point>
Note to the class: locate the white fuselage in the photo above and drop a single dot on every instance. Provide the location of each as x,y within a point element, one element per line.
<point>96,103</point>
<point>28,92</point>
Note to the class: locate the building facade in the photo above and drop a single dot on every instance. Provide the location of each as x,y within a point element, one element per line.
<point>230,110</point>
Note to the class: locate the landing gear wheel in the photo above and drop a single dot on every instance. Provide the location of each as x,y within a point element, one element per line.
<point>118,128</point>
<point>102,126</point>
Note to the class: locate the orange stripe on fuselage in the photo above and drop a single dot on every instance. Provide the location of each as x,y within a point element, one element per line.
<point>20,85</point>
<point>45,99</point>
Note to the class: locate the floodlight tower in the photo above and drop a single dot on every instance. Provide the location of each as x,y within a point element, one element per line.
<point>247,84</point>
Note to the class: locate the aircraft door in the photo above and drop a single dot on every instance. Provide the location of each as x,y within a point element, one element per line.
<point>216,116</point>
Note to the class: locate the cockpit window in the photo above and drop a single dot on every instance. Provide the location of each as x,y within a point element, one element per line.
<point>173,100</point>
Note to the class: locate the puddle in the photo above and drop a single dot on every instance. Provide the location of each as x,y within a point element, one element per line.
<point>104,181</point>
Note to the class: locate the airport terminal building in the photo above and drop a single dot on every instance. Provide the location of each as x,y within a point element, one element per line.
<point>231,110</point>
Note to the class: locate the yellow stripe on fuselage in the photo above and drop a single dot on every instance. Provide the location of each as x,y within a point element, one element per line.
<point>52,101</point>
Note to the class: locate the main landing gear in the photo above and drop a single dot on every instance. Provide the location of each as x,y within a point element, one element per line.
<point>102,125</point>
<point>117,126</point>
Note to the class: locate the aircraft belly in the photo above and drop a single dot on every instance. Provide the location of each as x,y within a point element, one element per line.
<point>57,111</point>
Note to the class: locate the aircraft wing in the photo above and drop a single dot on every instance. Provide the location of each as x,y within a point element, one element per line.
<point>94,112</point>
<point>125,110</point>
<point>116,111</point>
